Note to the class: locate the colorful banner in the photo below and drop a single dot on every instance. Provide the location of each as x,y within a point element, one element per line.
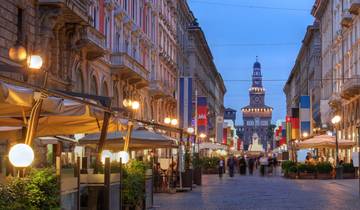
<point>283,134</point>
<point>288,129</point>
<point>224,139</point>
<point>295,124</point>
<point>185,101</point>
<point>202,110</point>
<point>305,125</point>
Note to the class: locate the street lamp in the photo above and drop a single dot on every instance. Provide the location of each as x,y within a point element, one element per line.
<point>190,130</point>
<point>305,134</point>
<point>335,121</point>
<point>106,154</point>
<point>21,155</point>
<point>35,62</point>
<point>171,121</point>
<point>124,157</point>
<point>202,135</point>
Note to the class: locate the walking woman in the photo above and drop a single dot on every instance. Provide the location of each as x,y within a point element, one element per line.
<point>221,167</point>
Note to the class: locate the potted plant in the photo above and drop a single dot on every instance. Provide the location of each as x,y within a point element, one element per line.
<point>292,172</point>
<point>210,165</point>
<point>324,170</point>
<point>306,171</point>
<point>286,165</point>
<point>348,171</point>
<point>197,169</point>
<point>134,185</point>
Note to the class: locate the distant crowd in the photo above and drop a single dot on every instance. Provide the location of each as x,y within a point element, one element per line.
<point>246,165</point>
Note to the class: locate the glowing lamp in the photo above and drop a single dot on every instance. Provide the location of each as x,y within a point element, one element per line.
<point>127,102</point>
<point>105,154</point>
<point>305,134</point>
<point>124,157</point>
<point>336,119</point>
<point>21,155</point>
<point>35,62</point>
<point>135,105</point>
<point>174,122</point>
<point>17,53</point>
<point>202,135</point>
<point>167,120</point>
<point>190,130</point>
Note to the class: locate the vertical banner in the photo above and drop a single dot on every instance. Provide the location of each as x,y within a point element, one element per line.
<point>202,110</point>
<point>295,124</point>
<point>283,134</point>
<point>224,139</point>
<point>305,125</point>
<point>288,129</point>
<point>185,101</point>
<point>219,129</point>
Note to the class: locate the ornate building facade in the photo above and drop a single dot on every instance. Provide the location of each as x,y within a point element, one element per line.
<point>340,29</point>
<point>122,49</point>
<point>257,116</point>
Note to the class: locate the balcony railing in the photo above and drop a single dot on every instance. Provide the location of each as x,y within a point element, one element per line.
<point>354,7</point>
<point>351,87</point>
<point>346,19</point>
<point>125,64</point>
<point>75,10</point>
<point>95,43</point>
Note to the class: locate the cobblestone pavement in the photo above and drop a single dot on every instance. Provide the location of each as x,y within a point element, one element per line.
<point>273,193</point>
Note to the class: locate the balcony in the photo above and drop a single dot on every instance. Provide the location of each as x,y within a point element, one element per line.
<point>346,20</point>
<point>354,7</point>
<point>94,42</point>
<point>335,101</point>
<point>351,87</point>
<point>129,68</point>
<point>75,11</point>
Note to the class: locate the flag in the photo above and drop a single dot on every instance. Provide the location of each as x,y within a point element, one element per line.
<point>295,124</point>
<point>202,110</point>
<point>305,125</point>
<point>288,129</point>
<point>185,102</point>
<point>283,134</point>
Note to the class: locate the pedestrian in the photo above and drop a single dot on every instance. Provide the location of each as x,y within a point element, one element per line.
<point>221,167</point>
<point>264,162</point>
<point>251,166</point>
<point>242,165</point>
<point>231,165</point>
<point>275,163</point>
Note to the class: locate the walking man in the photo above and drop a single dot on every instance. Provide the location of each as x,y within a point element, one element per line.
<point>231,165</point>
<point>221,167</point>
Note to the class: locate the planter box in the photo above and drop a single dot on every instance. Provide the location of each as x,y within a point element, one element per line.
<point>210,171</point>
<point>197,176</point>
<point>324,176</point>
<point>291,175</point>
<point>304,175</point>
<point>349,175</point>
<point>187,178</point>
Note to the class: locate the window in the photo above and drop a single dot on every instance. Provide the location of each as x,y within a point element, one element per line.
<point>79,81</point>
<point>126,5</point>
<point>107,31</point>
<point>105,90</point>
<point>93,86</point>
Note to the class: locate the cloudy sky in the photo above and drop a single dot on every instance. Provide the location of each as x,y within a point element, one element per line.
<point>239,30</point>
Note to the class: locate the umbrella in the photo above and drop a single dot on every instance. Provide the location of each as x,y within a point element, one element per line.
<point>141,138</point>
<point>324,141</point>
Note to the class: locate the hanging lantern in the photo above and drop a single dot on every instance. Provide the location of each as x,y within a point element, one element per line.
<point>17,53</point>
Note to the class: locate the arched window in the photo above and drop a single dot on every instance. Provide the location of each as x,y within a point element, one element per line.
<point>79,81</point>
<point>93,86</point>
<point>105,90</point>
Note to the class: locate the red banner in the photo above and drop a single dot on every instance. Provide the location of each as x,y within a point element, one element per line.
<point>224,140</point>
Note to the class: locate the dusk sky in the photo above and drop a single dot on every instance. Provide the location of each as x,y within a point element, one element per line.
<point>239,30</point>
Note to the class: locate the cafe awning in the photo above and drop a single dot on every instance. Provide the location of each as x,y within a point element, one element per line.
<point>324,141</point>
<point>141,138</point>
<point>58,116</point>
<point>213,146</point>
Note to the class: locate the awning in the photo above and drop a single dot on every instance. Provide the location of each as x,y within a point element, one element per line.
<point>140,139</point>
<point>213,146</point>
<point>324,141</point>
<point>58,116</point>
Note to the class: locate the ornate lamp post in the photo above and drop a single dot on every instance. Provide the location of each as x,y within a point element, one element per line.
<point>335,121</point>
<point>22,155</point>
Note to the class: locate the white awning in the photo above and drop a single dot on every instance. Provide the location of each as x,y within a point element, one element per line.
<point>324,141</point>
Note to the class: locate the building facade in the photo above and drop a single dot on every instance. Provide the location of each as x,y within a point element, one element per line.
<point>305,77</point>
<point>207,80</point>
<point>230,114</point>
<point>257,116</point>
<point>123,49</point>
<point>340,29</point>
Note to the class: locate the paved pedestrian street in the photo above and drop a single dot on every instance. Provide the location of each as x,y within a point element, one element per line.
<point>273,193</point>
